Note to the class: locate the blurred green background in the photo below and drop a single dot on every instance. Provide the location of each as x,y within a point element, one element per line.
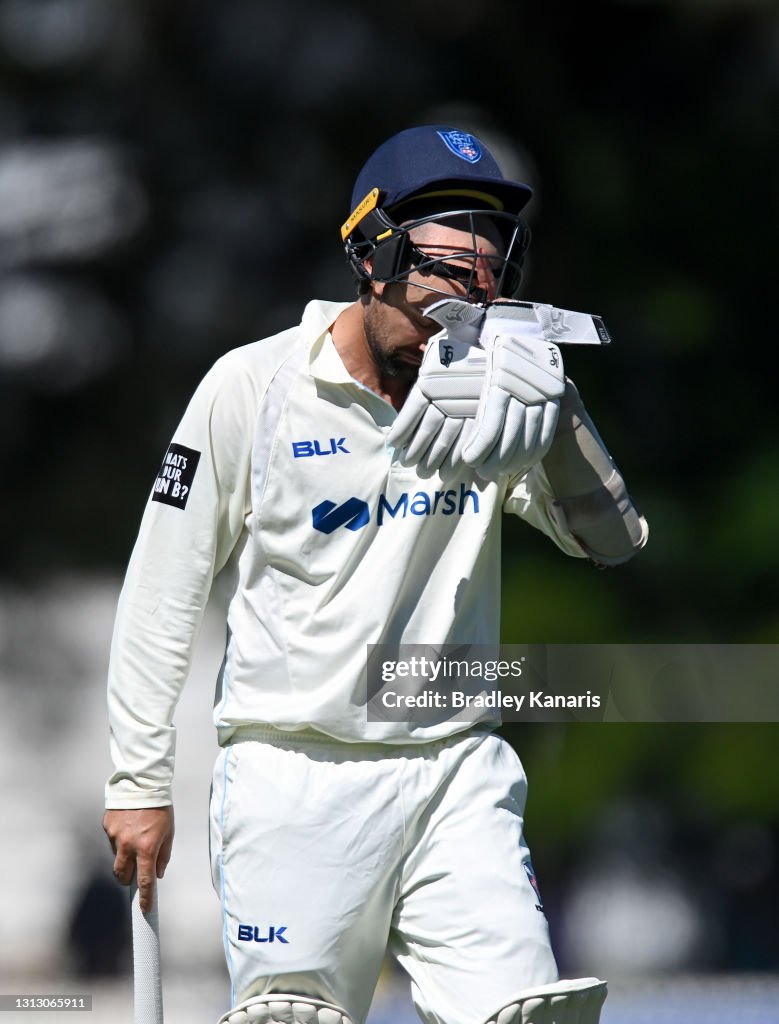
<point>173,176</point>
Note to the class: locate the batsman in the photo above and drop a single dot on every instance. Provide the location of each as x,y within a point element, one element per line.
<point>347,479</point>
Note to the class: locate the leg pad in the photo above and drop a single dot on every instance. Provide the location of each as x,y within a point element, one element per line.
<point>278,1008</point>
<point>572,1001</point>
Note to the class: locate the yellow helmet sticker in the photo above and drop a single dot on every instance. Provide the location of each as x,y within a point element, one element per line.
<point>365,206</point>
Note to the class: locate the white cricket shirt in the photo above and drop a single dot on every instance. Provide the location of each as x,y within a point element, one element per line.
<point>279,476</point>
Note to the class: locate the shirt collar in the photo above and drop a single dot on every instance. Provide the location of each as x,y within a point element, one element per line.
<point>324,361</point>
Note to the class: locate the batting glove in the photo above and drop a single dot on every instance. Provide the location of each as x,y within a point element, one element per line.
<point>446,393</point>
<point>519,403</point>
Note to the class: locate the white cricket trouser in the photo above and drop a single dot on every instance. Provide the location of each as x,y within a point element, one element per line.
<point>326,854</point>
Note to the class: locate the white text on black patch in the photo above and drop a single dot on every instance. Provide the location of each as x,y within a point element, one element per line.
<point>174,480</point>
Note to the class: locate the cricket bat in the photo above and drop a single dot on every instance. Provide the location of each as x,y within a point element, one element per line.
<point>147,972</point>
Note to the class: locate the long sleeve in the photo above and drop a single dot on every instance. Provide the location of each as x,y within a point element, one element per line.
<point>576,494</point>
<point>589,489</point>
<point>193,520</point>
<point>530,497</point>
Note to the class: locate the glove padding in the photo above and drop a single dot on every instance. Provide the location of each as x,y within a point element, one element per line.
<point>444,398</point>
<point>488,384</point>
<point>520,400</point>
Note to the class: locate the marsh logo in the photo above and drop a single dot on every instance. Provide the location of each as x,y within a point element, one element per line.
<point>355,513</point>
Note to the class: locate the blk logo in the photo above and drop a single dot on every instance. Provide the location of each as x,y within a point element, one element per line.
<point>308,449</point>
<point>251,933</point>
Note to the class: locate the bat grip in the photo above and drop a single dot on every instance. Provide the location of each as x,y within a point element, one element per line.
<point>147,973</point>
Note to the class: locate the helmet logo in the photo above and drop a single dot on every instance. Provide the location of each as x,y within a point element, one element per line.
<point>463,145</point>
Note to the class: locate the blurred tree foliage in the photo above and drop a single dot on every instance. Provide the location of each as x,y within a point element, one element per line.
<point>648,130</point>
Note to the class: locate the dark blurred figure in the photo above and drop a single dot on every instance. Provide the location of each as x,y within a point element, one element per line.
<point>99,931</point>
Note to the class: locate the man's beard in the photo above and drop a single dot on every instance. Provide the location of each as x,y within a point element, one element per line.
<point>388,363</point>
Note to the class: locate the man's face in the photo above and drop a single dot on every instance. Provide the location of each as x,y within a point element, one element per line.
<point>396,328</point>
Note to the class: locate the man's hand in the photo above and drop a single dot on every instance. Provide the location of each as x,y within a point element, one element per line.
<point>446,393</point>
<point>520,400</point>
<point>489,386</point>
<point>142,840</point>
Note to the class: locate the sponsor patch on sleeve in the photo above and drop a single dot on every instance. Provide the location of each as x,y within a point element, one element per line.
<point>174,480</point>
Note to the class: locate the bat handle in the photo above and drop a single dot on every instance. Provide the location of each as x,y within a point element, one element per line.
<point>147,973</point>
